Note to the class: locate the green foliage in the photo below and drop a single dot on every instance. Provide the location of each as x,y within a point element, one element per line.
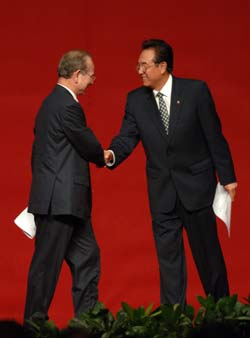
<point>226,309</point>
<point>39,327</point>
<point>228,315</point>
<point>247,299</point>
<point>97,321</point>
<point>167,321</point>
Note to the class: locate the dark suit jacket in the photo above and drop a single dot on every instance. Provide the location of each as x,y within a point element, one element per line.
<point>62,149</point>
<point>187,160</point>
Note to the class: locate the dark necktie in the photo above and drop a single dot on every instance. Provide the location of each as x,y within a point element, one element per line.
<point>163,111</point>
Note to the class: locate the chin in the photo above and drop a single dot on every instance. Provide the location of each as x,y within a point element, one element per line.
<point>146,83</point>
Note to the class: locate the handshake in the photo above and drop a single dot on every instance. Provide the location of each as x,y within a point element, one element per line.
<point>109,157</point>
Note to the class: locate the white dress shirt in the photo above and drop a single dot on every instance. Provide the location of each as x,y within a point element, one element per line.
<point>70,91</point>
<point>166,91</point>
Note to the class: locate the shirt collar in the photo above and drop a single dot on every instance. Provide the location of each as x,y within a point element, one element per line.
<point>167,88</point>
<point>70,91</point>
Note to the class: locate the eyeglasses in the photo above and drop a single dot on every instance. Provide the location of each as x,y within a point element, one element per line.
<point>144,66</point>
<point>92,76</point>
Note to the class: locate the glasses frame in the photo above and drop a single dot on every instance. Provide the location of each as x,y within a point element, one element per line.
<point>93,76</point>
<point>144,66</point>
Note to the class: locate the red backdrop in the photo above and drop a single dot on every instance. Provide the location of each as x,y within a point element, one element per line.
<point>211,42</point>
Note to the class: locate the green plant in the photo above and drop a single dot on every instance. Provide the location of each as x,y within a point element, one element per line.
<point>247,299</point>
<point>226,318</point>
<point>227,314</point>
<point>96,321</point>
<point>166,321</point>
<point>175,321</point>
<point>38,327</point>
<point>131,322</point>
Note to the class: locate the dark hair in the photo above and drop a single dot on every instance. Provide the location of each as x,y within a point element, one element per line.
<point>163,52</point>
<point>72,61</point>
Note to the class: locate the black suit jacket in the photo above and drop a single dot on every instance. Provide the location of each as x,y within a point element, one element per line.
<point>62,149</point>
<point>185,161</point>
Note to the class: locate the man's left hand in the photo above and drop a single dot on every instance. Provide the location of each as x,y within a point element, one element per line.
<point>231,189</point>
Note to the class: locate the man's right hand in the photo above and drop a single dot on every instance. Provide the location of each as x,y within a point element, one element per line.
<point>108,156</point>
<point>231,189</point>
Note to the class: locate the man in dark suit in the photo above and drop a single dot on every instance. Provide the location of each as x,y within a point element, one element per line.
<point>60,196</point>
<point>181,134</point>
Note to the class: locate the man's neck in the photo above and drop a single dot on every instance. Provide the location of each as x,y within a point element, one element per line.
<point>67,86</point>
<point>162,82</point>
<point>67,83</point>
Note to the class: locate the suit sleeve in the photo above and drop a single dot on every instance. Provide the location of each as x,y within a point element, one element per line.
<point>217,143</point>
<point>124,143</point>
<point>80,136</point>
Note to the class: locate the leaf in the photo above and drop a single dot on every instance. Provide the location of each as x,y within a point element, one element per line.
<point>247,299</point>
<point>189,311</point>
<point>243,318</point>
<point>32,324</point>
<point>105,335</point>
<point>128,309</point>
<point>139,313</point>
<point>199,317</point>
<point>176,307</point>
<point>49,324</point>
<point>77,322</point>
<point>99,306</point>
<point>138,330</point>
<point>202,301</point>
<point>149,309</point>
<point>156,313</point>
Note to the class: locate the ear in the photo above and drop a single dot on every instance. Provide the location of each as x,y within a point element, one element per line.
<point>76,75</point>
<point>163,67</point>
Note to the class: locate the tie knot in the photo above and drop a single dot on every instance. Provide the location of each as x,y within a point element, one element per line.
<point>160,95</point>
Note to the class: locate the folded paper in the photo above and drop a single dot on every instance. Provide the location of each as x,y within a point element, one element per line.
<point>26,222</point>
<point>222,205</point>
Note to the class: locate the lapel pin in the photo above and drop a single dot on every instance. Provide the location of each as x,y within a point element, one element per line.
<point>178,102</point>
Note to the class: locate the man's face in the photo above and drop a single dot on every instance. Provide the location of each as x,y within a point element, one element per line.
<point>86,78</point>
<point>153,75</point>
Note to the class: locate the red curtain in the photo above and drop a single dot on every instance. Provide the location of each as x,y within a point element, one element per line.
<point>210,41</point>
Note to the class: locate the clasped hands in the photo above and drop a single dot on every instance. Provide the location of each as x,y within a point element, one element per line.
<point>108,157</point>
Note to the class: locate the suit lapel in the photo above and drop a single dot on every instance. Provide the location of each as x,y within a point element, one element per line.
<point>176,104</point>
<point>154,114</point>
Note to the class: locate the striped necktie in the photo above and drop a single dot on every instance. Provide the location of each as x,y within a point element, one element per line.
<point>163,111</point>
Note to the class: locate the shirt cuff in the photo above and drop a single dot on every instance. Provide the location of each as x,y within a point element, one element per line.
<point>110,164</point>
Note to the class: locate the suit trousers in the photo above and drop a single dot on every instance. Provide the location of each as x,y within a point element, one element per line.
<point>202,235</point>
<point>62,238</point>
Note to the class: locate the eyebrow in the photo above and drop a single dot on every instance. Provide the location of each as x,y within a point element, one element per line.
<point>145,62</point>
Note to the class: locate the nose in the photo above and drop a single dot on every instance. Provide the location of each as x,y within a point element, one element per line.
<point>140,70</point>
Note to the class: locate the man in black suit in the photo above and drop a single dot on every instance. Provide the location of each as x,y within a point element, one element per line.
<point>60,196</point>
<point>181,134</point>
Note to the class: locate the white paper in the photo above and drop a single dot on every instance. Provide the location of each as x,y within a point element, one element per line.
<point>26,222</point>
<point>222,205</point>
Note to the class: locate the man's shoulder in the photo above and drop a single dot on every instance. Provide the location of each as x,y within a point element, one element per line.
<point>188,82</point>
<point>59,97</point>
<point>58,101</point>
<point>177,81</point>
<point>190,85</point>
<point>60,92</point>
<point>140,91</point>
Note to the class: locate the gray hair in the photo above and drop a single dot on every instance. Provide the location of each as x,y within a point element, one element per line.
<point>72,61</point>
